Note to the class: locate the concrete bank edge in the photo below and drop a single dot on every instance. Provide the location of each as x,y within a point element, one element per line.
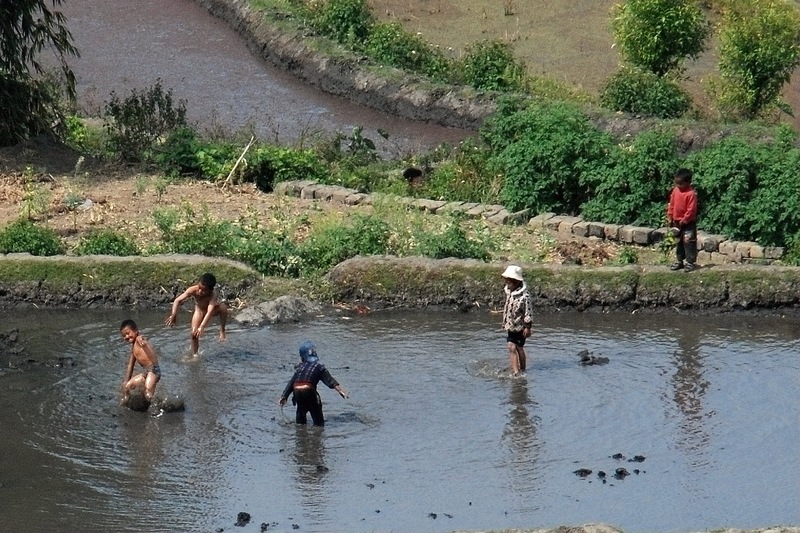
<point>416,282</point>
<point>411,282</point>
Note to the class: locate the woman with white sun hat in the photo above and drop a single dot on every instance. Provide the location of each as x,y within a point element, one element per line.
<point>517,320</point>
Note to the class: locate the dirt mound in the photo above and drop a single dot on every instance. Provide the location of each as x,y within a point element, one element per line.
<point>46,155</point>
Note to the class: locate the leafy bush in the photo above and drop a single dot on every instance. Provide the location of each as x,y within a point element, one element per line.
<point>391,44</point>
<point>633,185</point>
<point>346,21</point>
<point>750,191</point>
<point>268,165</point>
<point>544,151</point>
<point>137,123</point>
<point>657,35</point>
<point>453,242</point>
<point>636,91</point>
<point>463,176</point>
<point>24,236</point>
<point>491,66</point>
<point>106,242</point>
<point>759,50</point>
<point>364,235</point>
<point>268,254</point>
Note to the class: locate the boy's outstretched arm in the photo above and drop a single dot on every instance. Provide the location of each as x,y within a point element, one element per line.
<point>172,318</point>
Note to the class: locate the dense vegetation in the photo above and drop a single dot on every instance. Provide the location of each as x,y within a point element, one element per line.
<point>542,154</point>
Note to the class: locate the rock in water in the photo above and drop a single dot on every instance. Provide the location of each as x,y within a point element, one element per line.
<point>171,403</point>
<point>136,401</point>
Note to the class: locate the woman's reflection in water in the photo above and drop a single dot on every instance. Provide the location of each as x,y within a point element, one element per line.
<point>520,432</point>
<point>309,456</point>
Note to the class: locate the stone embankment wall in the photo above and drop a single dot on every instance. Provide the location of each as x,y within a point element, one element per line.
<point>713,249</point>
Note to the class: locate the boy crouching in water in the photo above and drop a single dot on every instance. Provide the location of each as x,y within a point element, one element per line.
<point>304,386</point>
<point>143,353</point>
<point>206,306</point>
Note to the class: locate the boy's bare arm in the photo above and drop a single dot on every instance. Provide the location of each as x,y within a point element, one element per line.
<point>144,352</point>
<point>129,368</point>
<point>176,304</point>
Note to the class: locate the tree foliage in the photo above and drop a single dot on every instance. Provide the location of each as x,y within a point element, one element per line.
<point>29,103</point>
<point>657,35</point>
<point>759,50</point>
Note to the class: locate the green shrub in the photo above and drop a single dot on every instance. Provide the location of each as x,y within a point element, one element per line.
<point>363,235</point>
<point>346,21</point>
<point>270,255</point>
<point>268,165</point>
<point>657,35</point>
<point>636,91</point>
<point>453,242</point>
<point>491,66</point>
<point>24,236</point>
<point>106,242</point>
<point>628,255</point>
<point>633,185</point>
<point>136,123</point>
<point>389,43</point>
<point>544,151</point>
<point>759,51</point>
<point>463,176</point>
<point>750,191</point>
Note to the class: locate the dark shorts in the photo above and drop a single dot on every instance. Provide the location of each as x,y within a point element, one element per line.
<point>155,369</point>
<point>516,337</point>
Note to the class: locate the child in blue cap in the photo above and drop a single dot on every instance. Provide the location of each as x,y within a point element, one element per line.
<point>304,386</point>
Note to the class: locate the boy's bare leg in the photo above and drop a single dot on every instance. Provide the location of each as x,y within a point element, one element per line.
<point>150,385</point>
<point>513,358</point>
<point>523,358</point>
<point>222,311</point>
<point>197,318</point>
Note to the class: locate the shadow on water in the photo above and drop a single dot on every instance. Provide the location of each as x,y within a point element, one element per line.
<point>435,435</point>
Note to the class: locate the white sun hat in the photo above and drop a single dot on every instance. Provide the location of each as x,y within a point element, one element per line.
<point>513,272</point>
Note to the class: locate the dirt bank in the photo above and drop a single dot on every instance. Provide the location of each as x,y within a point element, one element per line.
<point>472,285</point>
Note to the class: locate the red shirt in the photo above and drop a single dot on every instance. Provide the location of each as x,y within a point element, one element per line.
<point>682,205</point>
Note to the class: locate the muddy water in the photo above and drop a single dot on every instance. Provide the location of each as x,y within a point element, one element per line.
<point>433,426</point>
<point>133,44</point>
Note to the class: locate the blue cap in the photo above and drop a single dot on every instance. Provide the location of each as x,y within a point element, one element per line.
<point>308,352</point>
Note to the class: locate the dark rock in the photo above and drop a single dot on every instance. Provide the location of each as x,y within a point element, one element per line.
<point>621,473</point>
<point>601,474</point>
<point>582,472</point>
<point>637,459</point>
<point>370,485</point>
<point>242,519</point>
<point>264,527</point>
<point>618,456</point>
<point>322,468</point>
<point>432,515</point>
<point>136,401</point>
<point>587,358</point>
<point>295,526</point>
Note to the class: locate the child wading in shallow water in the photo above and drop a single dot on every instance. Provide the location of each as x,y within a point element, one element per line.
<point>206,306</point>
<point>304,386</point>
<point>142,353</point>
<point>517,319</point>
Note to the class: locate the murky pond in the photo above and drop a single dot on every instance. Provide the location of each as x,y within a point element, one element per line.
<point>434,437</point>
<point>134,44</point>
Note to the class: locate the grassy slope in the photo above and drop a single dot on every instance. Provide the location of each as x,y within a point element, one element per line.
<point>567,40</point>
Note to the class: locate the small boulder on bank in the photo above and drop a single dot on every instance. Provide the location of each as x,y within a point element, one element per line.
<point>280,310</point>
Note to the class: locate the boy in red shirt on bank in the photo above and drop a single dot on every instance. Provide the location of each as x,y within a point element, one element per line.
<point>682,215</point>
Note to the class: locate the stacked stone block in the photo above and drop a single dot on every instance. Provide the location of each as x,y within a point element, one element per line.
<point>714,249</point>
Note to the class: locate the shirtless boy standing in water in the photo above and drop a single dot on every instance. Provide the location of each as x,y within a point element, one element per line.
<point>143,353</point>
<point>206,306</point>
